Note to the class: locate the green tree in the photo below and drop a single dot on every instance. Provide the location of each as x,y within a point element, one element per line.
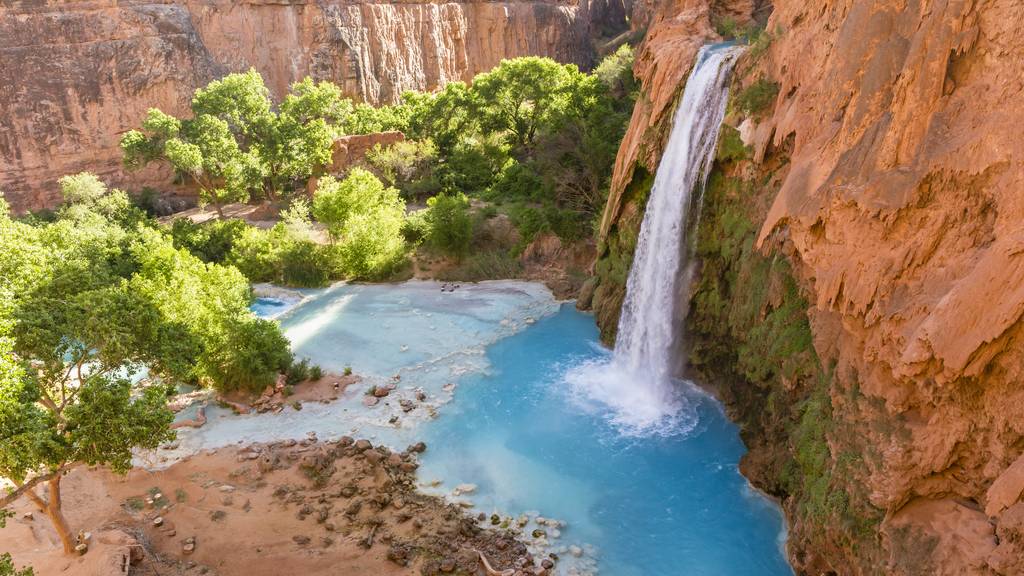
<point>450,228</point>
<point>86,302</point>
<point>236,144</point>
<point>373,245</point>
<point>524,96</point>
<point>335,201</point>
<point>80,333</point>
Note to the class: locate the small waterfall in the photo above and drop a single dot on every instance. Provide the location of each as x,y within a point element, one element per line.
<point>636,387</point>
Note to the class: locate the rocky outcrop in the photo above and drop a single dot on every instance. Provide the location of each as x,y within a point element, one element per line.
<point>75,75</point>
<point>867,205</point>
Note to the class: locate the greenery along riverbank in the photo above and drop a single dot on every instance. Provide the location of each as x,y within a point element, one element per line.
<point>532,138</point>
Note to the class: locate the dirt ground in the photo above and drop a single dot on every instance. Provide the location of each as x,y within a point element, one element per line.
<point>341,508</point>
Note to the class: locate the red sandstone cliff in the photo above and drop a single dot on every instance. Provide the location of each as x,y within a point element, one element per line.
<point>74,75</point>
<point>900,207</point>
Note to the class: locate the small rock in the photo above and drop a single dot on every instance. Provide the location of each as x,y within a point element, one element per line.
<point>189,545</point>
<point>370,401</point>
<point>28,516</point>
<point>419,447</point>
<point>381,391</point>
<point>227,488</point>
<point>373,457</point>
<point>363,445</point>
<point>421,395</point>
<point>158,521</point>
<point>81,549</point>
<point>464,489</point>
<point>547,564</point>
<point>576,551</point>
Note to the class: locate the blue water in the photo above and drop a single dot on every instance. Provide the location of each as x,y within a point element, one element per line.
<point>651,506</point>
<point>268,307</point>
<point>500,414</point>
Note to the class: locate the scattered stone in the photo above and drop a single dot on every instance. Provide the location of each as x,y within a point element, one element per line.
<point>227,488</point>
<point>421,395</point>
<point>370,401</point>
<point>576,551</point>
<point>301,540</point>
<point>373,457</point>
<point>538,533</point>
<point>464,489</point>
<point>407,405</point>
<point>547,564</point>
<point>188,546</point>
<point>448,565</point>
<point>363,445</point>
<point>28,516</point>
<point>158,521</point>
<point>418,447</point>
<point>345,441</point>
<point>381,391</point>
<point>81,549</point>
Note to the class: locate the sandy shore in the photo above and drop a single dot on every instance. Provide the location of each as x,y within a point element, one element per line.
<point>290,507</point>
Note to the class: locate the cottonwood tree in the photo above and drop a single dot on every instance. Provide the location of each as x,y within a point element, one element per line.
<point>86,302</point>
<point>236,144</point>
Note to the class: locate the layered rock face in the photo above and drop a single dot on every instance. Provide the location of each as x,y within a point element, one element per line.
<point>884,180</point>
<point>74,75</point>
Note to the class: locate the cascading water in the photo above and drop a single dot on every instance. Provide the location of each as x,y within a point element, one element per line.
<point>637,386</point>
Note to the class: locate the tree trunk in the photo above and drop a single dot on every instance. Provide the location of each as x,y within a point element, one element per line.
<point>53,510</point>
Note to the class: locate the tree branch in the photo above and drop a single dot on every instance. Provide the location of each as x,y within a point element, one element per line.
<point>26,487</point>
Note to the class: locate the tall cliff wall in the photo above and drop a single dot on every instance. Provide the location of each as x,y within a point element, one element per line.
<point>862,295</point>
<point>74,75</point>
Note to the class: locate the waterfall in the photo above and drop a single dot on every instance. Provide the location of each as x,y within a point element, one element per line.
<point>635,389</point>
<point>648,327</point>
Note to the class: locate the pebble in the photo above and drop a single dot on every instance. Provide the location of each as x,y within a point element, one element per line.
<point>370,401</point>
<point>464,489</point>
<point>576,551</point>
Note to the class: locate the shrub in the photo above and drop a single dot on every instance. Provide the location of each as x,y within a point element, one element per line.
<point>372,245</point>
<point>256,254</point>
<point>305,264</point>
<point>450,227</point>
<point>415,228</point>
<point>211,241</point>
<point>408,166</point>
<point>315,372</point>
<point>490,265</point>
<point>518,182</point>
<point>755,98</point>
<point>297,372</point>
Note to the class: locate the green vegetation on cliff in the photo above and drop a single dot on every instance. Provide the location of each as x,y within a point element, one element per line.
<point>752,340</point>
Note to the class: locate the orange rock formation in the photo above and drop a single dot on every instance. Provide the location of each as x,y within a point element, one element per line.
<point>901,211</point>
<point>75,75</point>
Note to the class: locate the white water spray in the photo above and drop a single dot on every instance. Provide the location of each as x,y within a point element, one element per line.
<point>636,387</point>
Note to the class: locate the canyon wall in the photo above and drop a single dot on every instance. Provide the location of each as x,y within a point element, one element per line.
<point>861,305</point>
<point>75,75</point>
